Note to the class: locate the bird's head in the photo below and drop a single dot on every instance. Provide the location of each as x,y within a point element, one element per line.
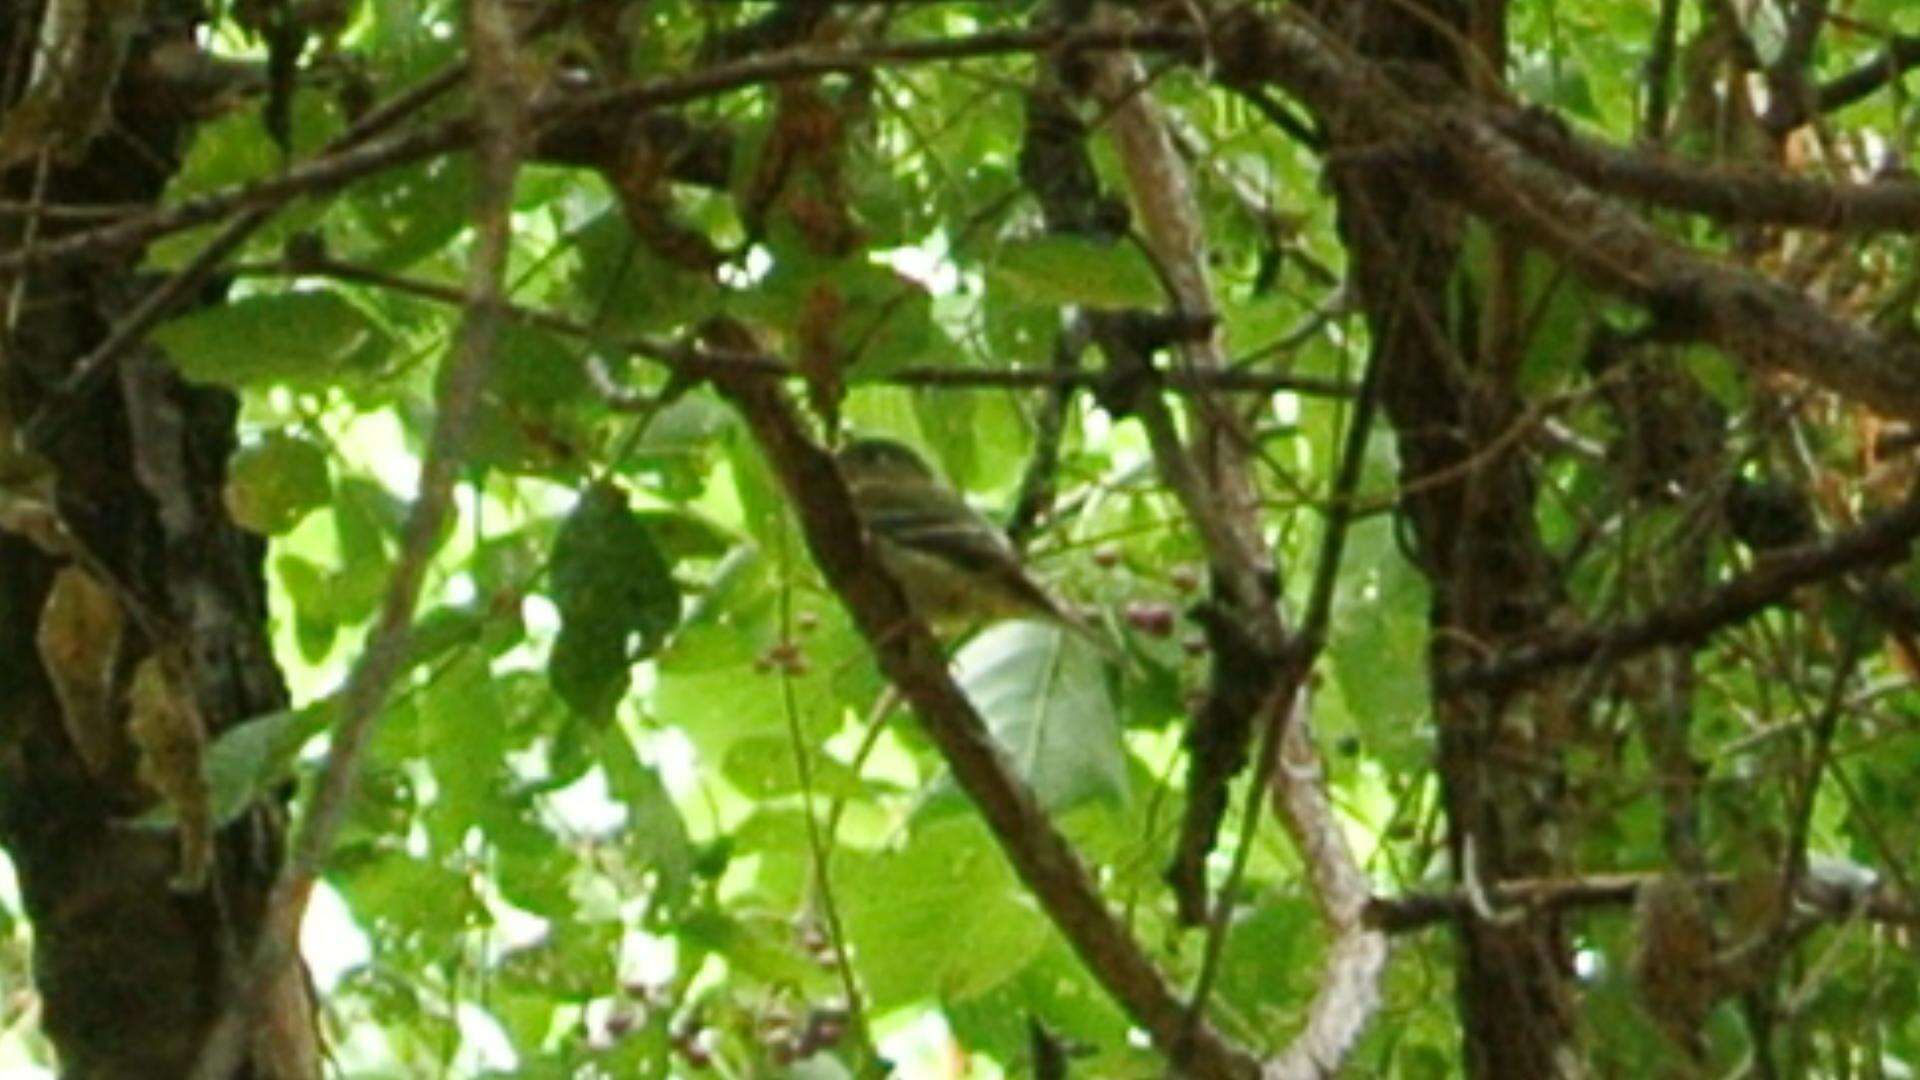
<point>880,458</point>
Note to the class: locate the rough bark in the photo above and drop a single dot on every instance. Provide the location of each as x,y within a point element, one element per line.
<point>131,971</point>
<point>1447,367</point>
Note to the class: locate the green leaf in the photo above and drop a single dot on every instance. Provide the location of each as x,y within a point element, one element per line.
<point>574,962</point>
<point>305,339</point>
<point>763,766</point>
<point>617,601</point>
<point>1054,270</point>
<point>276,482</point>
<point>1377,644</point>
<point>1043,693</point>
<point>683,535</point>
<point>760,948</point>
<point>396,892</point>
<point>1555,309</point>
<point>1720,377</point>
<point>463,732</point>
<point>403,216</point>
<point>655,831</point>
<point>249,760</point>
<point>943,918</point>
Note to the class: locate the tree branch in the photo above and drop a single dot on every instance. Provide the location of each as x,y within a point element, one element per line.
<point>1417,911</point>
<point>1882,539</point>
<point>1901,54</point>
<point>912,660</point>
<point>1745,195</point>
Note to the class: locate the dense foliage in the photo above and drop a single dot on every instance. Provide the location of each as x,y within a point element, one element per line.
<point>641,801</point>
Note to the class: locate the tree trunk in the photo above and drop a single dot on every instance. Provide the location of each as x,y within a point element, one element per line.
<point>1448,362</point>
<point>132,971</point>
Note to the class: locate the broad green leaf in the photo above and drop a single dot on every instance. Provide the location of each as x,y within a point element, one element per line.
<point>249,760</point>
<point>1055,270</point>
<point>943,918</point>
<point>683,535</point>
<point>306,339</point>
<point>1054,988</point>
<point>1377,643</point>
<point>1719,376</point>
<point>397,893</point>
<point>759,948</point>
<point>1044,694</point>
<point>574,962</point>
<point>463,734</point>
<point>401,217</point>
<point>655,831</point>
<point>274,483</point>
<point>763,766</point>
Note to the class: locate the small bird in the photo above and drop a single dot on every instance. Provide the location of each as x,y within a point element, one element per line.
<point>953,564</point>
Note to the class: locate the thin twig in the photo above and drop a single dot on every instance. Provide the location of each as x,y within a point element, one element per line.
<point>65,401</point>
<point>819,841</point>
<point>698,363</point>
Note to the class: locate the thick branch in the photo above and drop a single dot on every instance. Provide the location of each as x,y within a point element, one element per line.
<point>912,660</point>
<point>1901,54</point>
<point>1749,195</point>
<point>1454,146</point>
<point>1882,539</point>
<point>1417,911</point>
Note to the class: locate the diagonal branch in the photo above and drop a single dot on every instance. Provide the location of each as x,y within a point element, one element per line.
<point>1745,194</point>
<point>1882,539</point>
<point>912,660</point>
<point>1454,147</point>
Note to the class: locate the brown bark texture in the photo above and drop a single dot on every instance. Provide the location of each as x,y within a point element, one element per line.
<point>1447,385</point>
<point>131,968</point>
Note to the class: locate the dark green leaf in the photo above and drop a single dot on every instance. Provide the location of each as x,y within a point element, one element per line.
<point>617,601</point>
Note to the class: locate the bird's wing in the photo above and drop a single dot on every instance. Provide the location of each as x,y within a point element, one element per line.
<point>936,521</point>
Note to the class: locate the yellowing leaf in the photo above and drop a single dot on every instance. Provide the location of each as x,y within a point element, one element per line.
<point>172,738</point>
<point>79,639</point>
